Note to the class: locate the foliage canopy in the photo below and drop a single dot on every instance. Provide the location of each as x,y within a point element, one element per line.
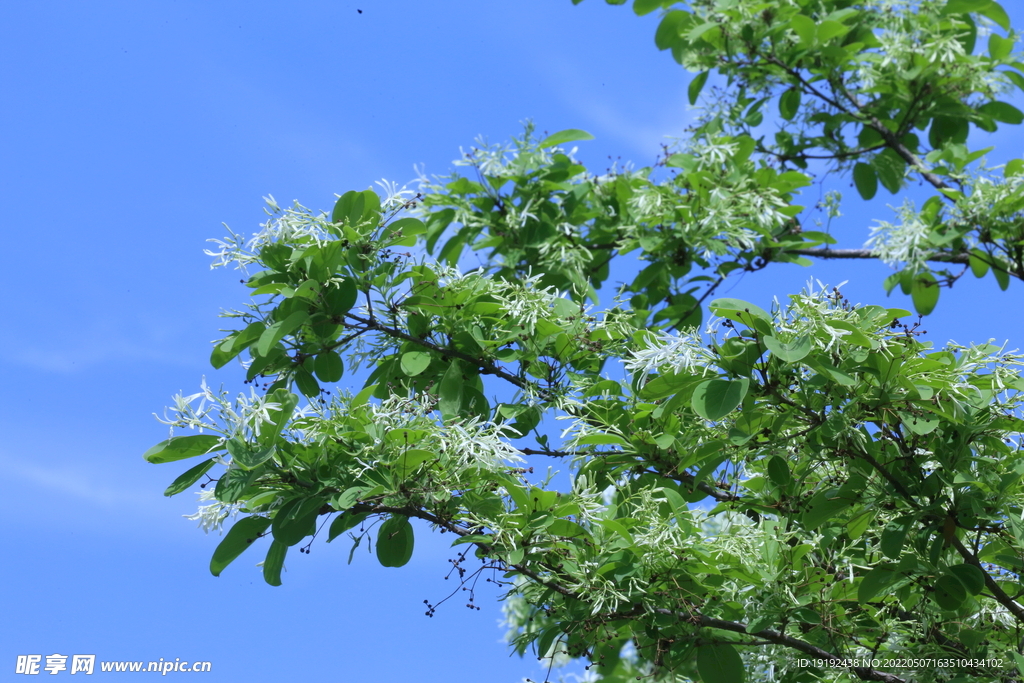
<point>811,482</point>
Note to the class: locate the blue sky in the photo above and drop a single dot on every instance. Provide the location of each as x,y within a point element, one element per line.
<point>130,132</point>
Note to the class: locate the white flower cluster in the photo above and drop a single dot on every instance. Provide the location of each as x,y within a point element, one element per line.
<point>465,442</point>
<point>671,353</point>
<point>906,242</point>
<point>395,198</point>
<point>288,225</point>
<point>904,45</point>
<point>246,415</point>
<point>809,312</point>
<point>211,517</point>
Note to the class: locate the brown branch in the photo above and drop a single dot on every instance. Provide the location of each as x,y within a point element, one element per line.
<point>826,253</point>
<point>864,673</point>
<point>998,593</point>
<point>486,367</point>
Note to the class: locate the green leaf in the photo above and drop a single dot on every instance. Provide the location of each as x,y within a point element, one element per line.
<point>828,29</point>
<point>964,6</point>
<point>978,261</point>
<point>278,330</point>
<point>1003,112</point>
<point>970,576</point>
<point>450,390</point>
<point>233,484</point>
<point>190,477</point>
<point>720,663</point>
<point>235,344</point>
<point>667,34</point>
<point>789,352</point>
<point>274,562</point>
<point>328,366</point>
<point>250,458</point>
<point>1002,277</point>
<point>949,592</point>
<point>548,638</point>
<point>563,136</point>
<point>414,362</point>
<point>994,11</point>
<point>778,470</point>
<point>410,460</point>
<point>239,537</point>
<point>892,540</point>
<point>181,447</point>
<point>890,168</point>
<point>296,519</point>
<point>716,398</point>
<point>340,297</point>
<point>348,205</point>
<point>696,85</point>
<point>1020,661</point>
<point>865,179</point>
<point>642,7</point>
<point>744,312</point>
<point>603,440</point>
<point>395,541</point>
<point>805,29</point>
<point>307,384</point>
<point>403,232</point>
<point>286,401</point>
<point>924,292</point>
<point>999,48</point>
<point>789,104</point>
<point>920,424</point>
<point>343,523</point>
<point>823,506</point>
<point>874,582</point>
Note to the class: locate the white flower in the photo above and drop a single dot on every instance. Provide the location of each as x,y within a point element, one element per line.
<point>903,243</point>
<point>394,198</point>
<point>671,352</point>
<point>211,517</point>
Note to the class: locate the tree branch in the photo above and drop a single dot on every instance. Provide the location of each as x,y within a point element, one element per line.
<point>998,593</point>
<point>826,253</point>
<point>486,367</point>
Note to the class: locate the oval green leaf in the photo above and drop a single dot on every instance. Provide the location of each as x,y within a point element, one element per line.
<point>450,390</point>
<point>274,562</point>
<point>395,541</point>
<point>343,523</point>
<point>238,538</point>
<point>563,136</point>
<point>720,663</point>
<point>181,447</point>
<point>821,508</point>
<point>414,362</point>
<point>789,103</point>
<point>874,582</point>
<point>924,292</point>
<point>190,477</point>
<point>949,592</point>
<point>307,384</point>
<point>716,398</point>
<point>696,85</point>
<point>328,366</point>
<point>970,576</point>
<point>278,330</point>
<point>892,541</point>
<point>791,351</point>
<point>409,461</point>
<point>296,519</point>
<point>778,470</point>
<point>1002,112</point>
